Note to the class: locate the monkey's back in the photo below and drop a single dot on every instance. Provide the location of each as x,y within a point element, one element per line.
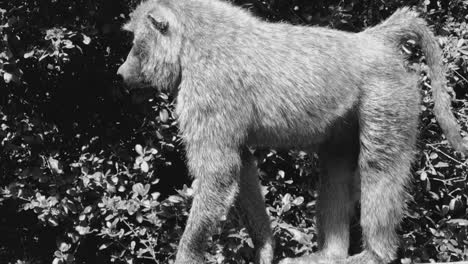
<point>289,81</point>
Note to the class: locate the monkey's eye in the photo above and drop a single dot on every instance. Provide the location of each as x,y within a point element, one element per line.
<point>138,49</point>
<point>128,34</point>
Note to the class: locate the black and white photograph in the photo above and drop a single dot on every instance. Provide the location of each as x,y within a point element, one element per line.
<point>233,131</point>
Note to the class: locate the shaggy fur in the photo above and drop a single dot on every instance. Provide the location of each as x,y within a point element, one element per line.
<point>243,82</point>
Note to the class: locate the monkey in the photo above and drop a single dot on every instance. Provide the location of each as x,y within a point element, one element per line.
<point>241,82</point>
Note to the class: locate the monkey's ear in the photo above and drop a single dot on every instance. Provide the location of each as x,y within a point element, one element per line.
<point>158,24</point>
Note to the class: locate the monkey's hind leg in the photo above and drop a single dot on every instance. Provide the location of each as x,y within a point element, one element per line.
<point>388,128</point>
<point>250,202</point>
<point>338,160</point>
<point>388,118</point>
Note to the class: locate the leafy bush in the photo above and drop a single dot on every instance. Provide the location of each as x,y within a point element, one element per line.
<point>92,173</point>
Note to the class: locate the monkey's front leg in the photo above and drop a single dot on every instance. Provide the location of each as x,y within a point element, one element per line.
<point>217,168</point>
<point>310,259</point>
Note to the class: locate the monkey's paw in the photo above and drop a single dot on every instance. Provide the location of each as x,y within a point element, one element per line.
<point>309,259</point>
<point>265,254</point>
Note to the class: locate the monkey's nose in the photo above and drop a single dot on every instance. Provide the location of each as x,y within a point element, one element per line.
<point>119,77</point>
<point>120,72</point>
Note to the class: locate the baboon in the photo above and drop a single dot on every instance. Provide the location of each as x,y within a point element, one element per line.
<point>241,82</point>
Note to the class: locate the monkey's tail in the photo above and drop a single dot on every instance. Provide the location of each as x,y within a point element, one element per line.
<point>405,25</point>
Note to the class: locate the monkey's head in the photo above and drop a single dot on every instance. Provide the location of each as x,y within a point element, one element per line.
<point>154,59</point>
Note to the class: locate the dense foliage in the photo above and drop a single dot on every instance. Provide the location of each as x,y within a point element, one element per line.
<point>90,173</point>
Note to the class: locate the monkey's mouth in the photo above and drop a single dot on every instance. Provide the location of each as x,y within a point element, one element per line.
<point>139,87</point>
<point>133,85</point>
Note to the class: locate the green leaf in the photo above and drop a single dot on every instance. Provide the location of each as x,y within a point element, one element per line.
<point>299,200</point>
<point>139,149</point>
<point>86,39</point>
<point>460,222</point>
<point>144,166</point>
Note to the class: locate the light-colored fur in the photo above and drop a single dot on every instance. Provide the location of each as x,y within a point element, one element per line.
<point>243,82</point>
